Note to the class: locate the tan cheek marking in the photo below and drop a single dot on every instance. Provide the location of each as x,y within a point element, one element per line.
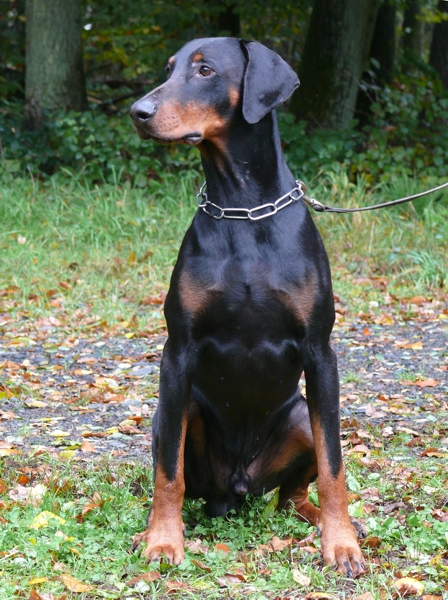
<point>197,57</point>
<point>301,300</point>
<point>193,297</point>
<point>174,120</point>
<point>234,97</point>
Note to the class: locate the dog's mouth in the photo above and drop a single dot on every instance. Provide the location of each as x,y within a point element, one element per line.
<point>192,139</point>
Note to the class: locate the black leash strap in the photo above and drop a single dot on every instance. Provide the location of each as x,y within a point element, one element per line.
<point>319,207</point>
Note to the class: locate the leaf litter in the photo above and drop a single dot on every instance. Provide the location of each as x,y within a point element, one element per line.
<point>80,394</point>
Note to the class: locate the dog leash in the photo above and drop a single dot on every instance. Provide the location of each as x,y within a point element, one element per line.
<point>319,207</point>
<point>296,194</point>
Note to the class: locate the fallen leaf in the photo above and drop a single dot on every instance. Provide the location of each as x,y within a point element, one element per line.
<point>426,383</point>
<point>320,596</point>
<point>201,565</point>
<point>74,585</point>
<point>25,495</point>
<point>433,452</point>
<point>43,519</point>
<point>37,580</point>
<point>86,447</point>
<point>3,487</point>
<point>300,578</point>
<point>148,576</point>
<point>35,404</point>
<point>408,586</point>
<point>418,300</point>
<point>196,546</point>
<point>371,493</point>
<point>277,545</point>
<point>236,577</point>
<point>8,452</point>
<point>222,548</point>
<point>366,596</point>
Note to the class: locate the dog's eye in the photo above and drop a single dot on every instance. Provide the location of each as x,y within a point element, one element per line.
<point>205,71</point>
<point>168,70</point>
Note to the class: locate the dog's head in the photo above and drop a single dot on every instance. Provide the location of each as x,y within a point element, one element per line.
<point>211,82</point>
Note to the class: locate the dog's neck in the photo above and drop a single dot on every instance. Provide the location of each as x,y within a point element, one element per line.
<point>249,169</point>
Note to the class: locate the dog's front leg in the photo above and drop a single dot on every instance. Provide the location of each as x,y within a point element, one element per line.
<point>165,526</point>
<point>339,541</point>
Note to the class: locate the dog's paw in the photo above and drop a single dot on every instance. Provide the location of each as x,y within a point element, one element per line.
<point>341,548</point>
<point>156,546</point>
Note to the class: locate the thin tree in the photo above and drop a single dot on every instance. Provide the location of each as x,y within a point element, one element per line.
<point>54,70</point>
<point>336,50</point>
<point>413,28</point>
<point>438,57</point>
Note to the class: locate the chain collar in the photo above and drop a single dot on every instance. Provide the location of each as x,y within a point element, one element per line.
<point>252,214</point>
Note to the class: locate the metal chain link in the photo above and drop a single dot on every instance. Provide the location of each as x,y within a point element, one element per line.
<point>251,214</point>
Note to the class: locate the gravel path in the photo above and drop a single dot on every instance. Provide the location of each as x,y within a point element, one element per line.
<point>61,391</point>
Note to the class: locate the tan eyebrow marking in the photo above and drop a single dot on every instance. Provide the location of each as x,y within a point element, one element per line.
<point>170,61</point>
<point>197,57</point>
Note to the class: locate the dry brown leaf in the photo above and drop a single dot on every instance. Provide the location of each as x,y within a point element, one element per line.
<point>173,586</point>
<point>366,596</point>
<point>3,487</point>
<point>320,596</point>
<point>418,300</point>
<point>74,585</point>
<point>277,545</point>
<point>309,539</point>
<point>237,577</point>
<point>440,515</point>
<point>196,546</point>
<point>201,565</point>
<point>433,452</point>
<point>426,383</point>
<point>222,548</point>
<point>408,586</point>
<point>148,576</point>
<point>86,447</point>
<point>371,493</point>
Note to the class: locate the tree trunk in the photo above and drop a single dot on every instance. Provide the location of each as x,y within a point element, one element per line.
<point>413,28</point>
<point>438,57</point>
<point>229,21</point>
<point>54,71</point>
<point>383,42</point>
<point>334,56</point>
<point>381,64</point>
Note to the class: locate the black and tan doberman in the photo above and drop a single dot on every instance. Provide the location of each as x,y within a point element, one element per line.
<point>250,307</point>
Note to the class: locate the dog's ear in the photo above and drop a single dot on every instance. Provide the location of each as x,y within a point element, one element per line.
<point>268,81</point>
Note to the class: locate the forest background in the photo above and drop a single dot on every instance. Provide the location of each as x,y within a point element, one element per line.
<point>91,219</point>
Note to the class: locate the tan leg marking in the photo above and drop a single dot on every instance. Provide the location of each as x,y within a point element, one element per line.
<point>306,511</point>
<point>193,297</point>
<point>165,533</point>
<point>301,300</point>
<point>339,540</point>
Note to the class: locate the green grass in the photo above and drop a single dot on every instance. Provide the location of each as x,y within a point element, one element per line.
<point>94,548</point>
<point>106,250</point>
<point>113,248</point>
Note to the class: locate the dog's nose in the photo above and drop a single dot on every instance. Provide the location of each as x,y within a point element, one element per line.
<point>143,110</point>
